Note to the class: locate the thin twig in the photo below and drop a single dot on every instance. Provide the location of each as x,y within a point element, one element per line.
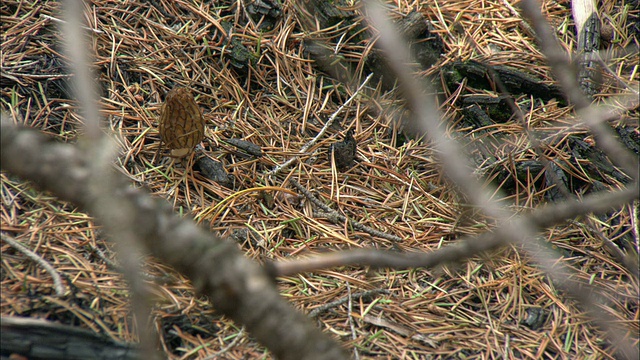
<point>542,217</point>
<point>527,28</point>
<point>233,343</point>
<point>311,142</point>
<point>100,173</point>
<point>592,116</point>
<point>337,218</point>
<point>57,281</point>
<point>356,355</point>
<point>238,287</point>
<point>365,294</point>
<point>97,31</point>
<point>166,279</point>
<point>636,224</point>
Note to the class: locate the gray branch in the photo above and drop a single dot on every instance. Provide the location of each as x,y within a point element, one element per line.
<point>238,287</point>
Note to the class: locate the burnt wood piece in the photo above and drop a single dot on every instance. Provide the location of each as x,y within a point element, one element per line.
<point>476,117</point>
<point>201,324</point>
<point>37,339</point>
<point>555,182</point>
<point>344,152</point>
<point>481,76</point>
<point>213,170</point>
<point>265,12</point>
<point>426,45</point>
<point>588,32</point>
<point>249,147</point>
<point>589,70</point>
<point>596,165</point>
<point>324,13</point>
<point>497,109</point>
<point>594,161</point>
<point>327,62</point>
<point>426,48</point>
<point>316,15</point>
<point>630,137</point>
<point>240,57</point>
<point>535,317</point>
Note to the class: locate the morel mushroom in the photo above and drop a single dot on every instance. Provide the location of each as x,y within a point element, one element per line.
<point>181,122</point>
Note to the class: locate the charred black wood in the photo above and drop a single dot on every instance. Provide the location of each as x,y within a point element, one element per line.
<point>36,339</point>
<point>630,137</point>
<point>213,170</point>
<point>482,76</point>
<point>588,31</point>
<point>344,152</point>
<point>594,161</point>
<point>249,147</point>
<point>239,56</point>
<point>427,46</point>
<point>494,109</point>
<point>596,166</point>
<point>266,13</point>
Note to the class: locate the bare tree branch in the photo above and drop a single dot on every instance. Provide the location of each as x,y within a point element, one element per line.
<point>593,117</point>
<point>320,134</point>
<point>465,248</point>
<point>237,287</point>
<point>523,231</point>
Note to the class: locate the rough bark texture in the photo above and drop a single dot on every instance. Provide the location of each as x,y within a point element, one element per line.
<point>482,76</point>
<point>588,31</point>
<point>41,339</point>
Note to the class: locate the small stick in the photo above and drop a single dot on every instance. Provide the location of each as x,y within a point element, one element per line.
<point>311,142</point>
<point>356,355</point>
<point>365,294</point>
<point>233,343</point>
<point>336,218</point>
<point>64,22</point>
<point>57,280</point>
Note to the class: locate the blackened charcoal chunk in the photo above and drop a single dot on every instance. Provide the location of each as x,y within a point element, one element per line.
<point>266,12</point>
<point>344,152</point>
<point>213,170</point>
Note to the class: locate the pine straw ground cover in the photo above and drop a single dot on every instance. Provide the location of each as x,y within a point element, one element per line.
<point>476,309</point>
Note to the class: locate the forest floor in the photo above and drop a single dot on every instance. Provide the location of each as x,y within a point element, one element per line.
<point>498,305</point>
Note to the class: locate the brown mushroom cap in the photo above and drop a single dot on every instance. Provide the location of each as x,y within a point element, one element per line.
<point>181,122</point>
